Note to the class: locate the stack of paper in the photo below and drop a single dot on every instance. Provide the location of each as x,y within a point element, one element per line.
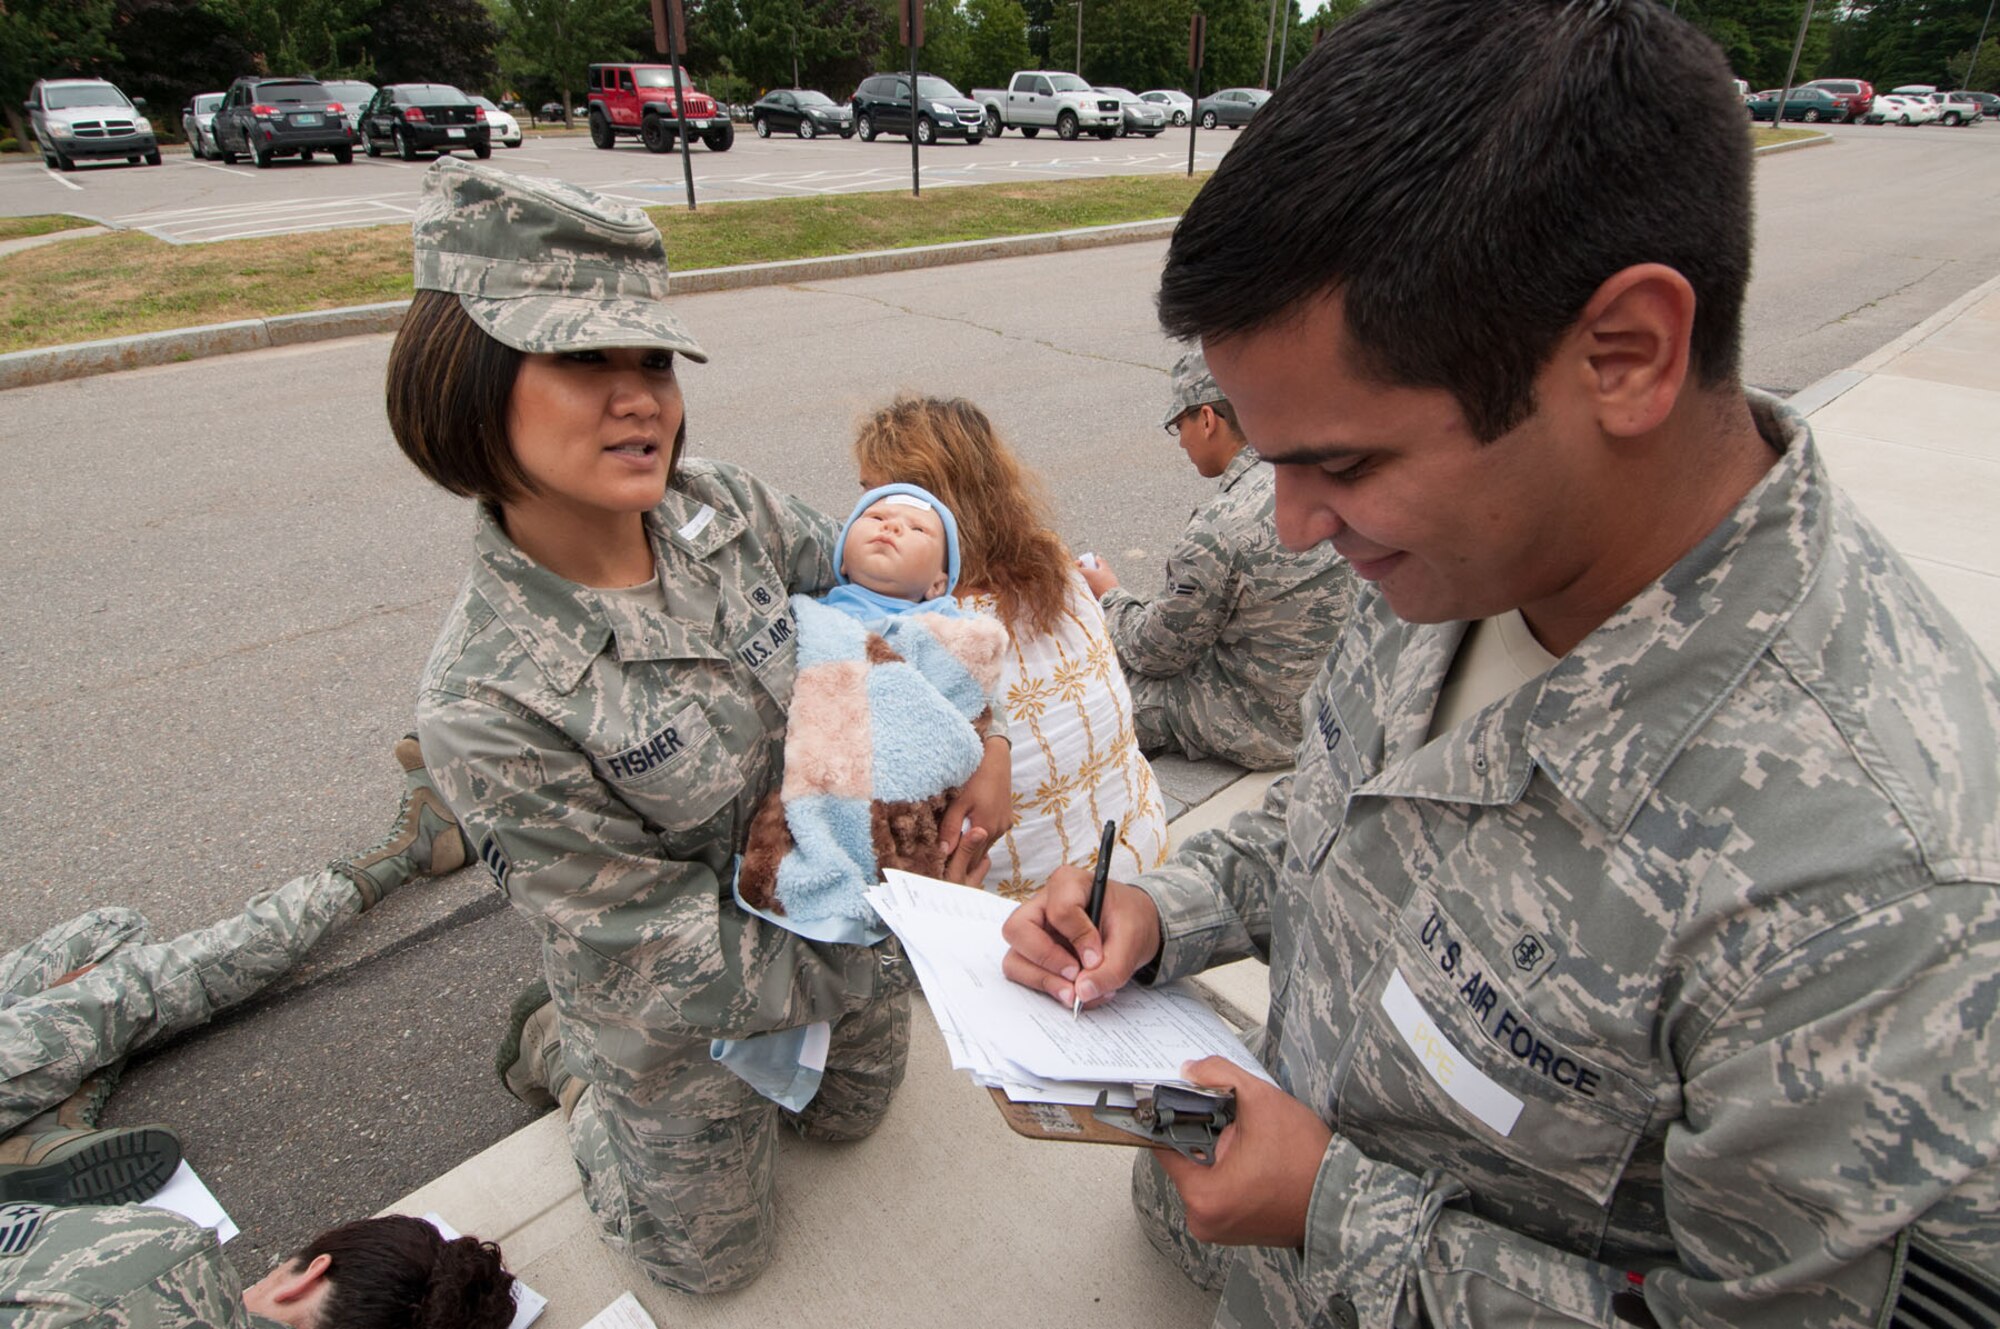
<point>1022,1041</point>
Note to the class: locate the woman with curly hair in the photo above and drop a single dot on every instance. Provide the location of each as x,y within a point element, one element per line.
<point>1076,759</point>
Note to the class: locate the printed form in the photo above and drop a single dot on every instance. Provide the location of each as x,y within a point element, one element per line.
<point>1021,1040</point>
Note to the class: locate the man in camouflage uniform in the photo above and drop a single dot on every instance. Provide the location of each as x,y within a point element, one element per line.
<point>116,1267</point>
<point>1649,981</point>
<point>606,752</point>
<point>79,999</point>
<point>1218,660</point>
<point>74,1003</point>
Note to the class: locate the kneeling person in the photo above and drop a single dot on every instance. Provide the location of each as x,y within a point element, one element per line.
<point>1218,660</point>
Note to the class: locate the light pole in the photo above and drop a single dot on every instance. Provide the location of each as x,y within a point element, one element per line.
<point>1284,42</point>
<point>1973,64</point>
<point>1079,38</point>
<point>1270,37</point>
<point>1778,111</point>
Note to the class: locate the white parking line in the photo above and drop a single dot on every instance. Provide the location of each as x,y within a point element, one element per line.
<point>235,172</point>
<point>67,184</point>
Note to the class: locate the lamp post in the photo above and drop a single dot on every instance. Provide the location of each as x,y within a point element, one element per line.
<point>1270,37</point>
<point>1778,111</point>
<point>1973,65</point>
<point>1284,42</point>
<point>1079,38</point>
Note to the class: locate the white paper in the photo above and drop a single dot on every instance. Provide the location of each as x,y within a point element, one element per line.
<point>624,1313</point>
<point>187,1195</point>
<point>1022,1041</point>
<point>528,1303</point>
<point>819,1042</point>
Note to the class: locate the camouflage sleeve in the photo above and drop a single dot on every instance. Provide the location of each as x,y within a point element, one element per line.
<point>654,938</point>
<point>1836,1161</point>
<point>1214,896</point>
<point>1161,637</point>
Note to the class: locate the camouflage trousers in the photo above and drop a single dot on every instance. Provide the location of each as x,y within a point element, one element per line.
<point>52,1038</point>
<point>1164,1222</point>
<point>1201,715</point>
<point>691,1200</point>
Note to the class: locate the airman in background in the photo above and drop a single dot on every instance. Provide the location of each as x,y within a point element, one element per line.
<point>1218,658</point>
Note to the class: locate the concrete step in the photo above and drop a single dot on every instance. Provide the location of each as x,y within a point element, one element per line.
<point>943,1216</point>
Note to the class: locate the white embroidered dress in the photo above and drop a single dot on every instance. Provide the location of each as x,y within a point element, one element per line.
<point>1077,763</point>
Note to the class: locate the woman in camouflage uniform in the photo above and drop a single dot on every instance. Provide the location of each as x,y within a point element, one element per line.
<point>605,708</point>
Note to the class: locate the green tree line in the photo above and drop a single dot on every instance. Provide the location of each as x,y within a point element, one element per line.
<point>168,50</point>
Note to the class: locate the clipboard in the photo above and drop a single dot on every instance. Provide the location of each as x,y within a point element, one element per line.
<point>1186,1118</point>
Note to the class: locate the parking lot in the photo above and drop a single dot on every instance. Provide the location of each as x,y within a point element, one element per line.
<point>190,202</point>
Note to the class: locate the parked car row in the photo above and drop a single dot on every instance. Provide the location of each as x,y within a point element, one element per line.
<point>1033,100</point>
<point>266,118</point>
<point>1854,100</point>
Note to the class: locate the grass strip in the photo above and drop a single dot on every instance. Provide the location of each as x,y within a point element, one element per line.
<point>1764,138</point>
<point>127,283</point>
<point>20,228</point>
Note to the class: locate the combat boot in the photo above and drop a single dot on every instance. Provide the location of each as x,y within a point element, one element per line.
<point>82,1109</point>
<point>530,1060</point>
<point>425,840</point>
<point>65,1167</point>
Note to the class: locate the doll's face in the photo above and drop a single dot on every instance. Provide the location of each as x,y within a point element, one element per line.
<point>897,548</point>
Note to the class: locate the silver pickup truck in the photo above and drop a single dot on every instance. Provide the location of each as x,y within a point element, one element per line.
<point>1038,99</point>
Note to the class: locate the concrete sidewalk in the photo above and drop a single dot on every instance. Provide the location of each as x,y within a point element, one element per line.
<point>944,1217</point>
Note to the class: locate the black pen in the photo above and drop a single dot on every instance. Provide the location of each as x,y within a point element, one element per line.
<point>1096,906</point>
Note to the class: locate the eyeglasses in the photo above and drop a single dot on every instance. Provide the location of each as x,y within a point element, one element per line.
<point>1174,425</point>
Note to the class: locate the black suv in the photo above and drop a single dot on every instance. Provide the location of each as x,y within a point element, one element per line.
<point>264,118</point>
<point>882,106</point>
<point>425,117</point>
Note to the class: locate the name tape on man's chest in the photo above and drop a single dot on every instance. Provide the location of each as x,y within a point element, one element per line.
<point>1509,1029</point>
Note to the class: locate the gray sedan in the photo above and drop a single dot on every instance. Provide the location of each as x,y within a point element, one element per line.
<point>1141,116</point>
<point>198,124</point>
<point>1231,106</point>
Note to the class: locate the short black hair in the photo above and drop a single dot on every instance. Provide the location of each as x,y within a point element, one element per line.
<point>449,387</point>
<point>1465,174</point>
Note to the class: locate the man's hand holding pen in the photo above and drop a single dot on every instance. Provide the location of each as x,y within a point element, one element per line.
<point>1053,948</point>
<point>1259,1187</point>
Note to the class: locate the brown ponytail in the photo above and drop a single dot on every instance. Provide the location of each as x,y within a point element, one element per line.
<point>400,1273</point>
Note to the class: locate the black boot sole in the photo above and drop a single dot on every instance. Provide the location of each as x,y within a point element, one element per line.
<point>126,1167</point>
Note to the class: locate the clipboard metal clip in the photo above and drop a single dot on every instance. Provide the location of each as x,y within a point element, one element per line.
<point>1183,1117</point>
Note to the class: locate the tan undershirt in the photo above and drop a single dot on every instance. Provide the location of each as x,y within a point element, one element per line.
<point>1497,656</point>
<point>651,594</point>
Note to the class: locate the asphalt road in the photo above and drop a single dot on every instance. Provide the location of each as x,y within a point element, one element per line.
<point>223,579</point>
<point>189,201</point>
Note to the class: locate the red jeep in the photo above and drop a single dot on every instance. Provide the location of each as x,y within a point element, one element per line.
<point>639,100</point>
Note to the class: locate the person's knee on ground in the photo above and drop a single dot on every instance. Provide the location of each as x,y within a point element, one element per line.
<point>864,1066</point>
<point>691,1202</point>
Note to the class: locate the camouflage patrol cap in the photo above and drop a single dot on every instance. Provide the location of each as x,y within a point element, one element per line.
<point>543,266</point>
<point>1193,386</point>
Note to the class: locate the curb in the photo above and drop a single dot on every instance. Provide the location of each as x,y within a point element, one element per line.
<point>55,364</point>
<point>1813,396</point>
<point>1820,140</point>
